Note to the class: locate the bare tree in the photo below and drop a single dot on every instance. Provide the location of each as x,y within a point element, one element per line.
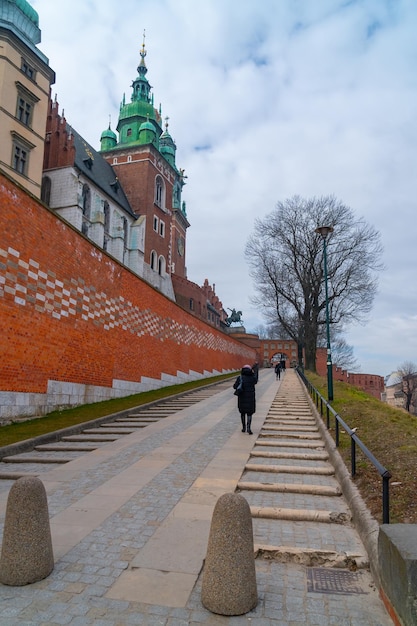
<point>407,378</point>
<point>285,256</point>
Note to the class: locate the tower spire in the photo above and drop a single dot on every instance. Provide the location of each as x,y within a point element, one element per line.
<point>141,86</point>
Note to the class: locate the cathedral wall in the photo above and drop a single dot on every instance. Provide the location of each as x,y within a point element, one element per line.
<point>78,327</point>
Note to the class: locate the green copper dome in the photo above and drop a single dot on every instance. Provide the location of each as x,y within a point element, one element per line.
<point>28,11</point>
<point>19,17</point>
<point>167,145</point>
<point>108,139</point>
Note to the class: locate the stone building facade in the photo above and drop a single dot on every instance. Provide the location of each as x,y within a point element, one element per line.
<point>25,81</point>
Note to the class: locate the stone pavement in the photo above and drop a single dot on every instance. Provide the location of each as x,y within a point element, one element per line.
<point>130,523</point>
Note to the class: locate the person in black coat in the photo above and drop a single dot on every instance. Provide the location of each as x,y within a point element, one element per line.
<point>246,400</point>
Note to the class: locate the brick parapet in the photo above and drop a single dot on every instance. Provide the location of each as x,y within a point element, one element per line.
<point>71,313</point>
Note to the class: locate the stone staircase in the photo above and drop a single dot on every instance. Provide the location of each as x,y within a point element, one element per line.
<point>297,506</point>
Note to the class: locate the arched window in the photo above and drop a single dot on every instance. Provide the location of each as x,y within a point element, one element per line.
<point>159,192</point>
<point>161,266</point>
<point>46,190</point>
<point>153,260</point>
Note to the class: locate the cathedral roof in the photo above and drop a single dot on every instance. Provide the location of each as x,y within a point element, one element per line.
<point>95,167</point>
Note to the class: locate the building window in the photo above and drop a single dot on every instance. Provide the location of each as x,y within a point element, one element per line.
<point>28,70</point>
<point>24,111</point>
<point>86,209</point>
<point>159,192</point>
<point>114,160</point>
<point>162,229</point>
<point>106,211</point>
<point>20,154</point>
<point>191,304</point>
<point>129,132</point>
<point>155,223</point>
<point>125,237</point>
<point>129,159</point>
<point>46,190</point>
<point>161,266</point>
<point>153,260</point>
<point>25,105</point>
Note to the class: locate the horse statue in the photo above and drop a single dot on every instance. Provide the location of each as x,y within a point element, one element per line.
<point>234,317</point>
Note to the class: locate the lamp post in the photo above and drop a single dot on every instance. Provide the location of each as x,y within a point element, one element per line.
<point>324,231</point>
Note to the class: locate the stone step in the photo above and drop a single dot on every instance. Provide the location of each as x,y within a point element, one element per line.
<point>300,515</point>
<point>108,430</point>
<point>313,490</point>
<point>36,459</point>
<point>300,456</point>
<point>291,434</point>
<point>53,447</point>
<point>289,469</point>
<point>291,444</point>
<point>95,438</point>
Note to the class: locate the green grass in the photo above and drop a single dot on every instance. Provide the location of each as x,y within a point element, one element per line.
<point>19,431</point>
<point>391,435</point>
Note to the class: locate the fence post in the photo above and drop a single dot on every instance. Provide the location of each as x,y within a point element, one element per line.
<point>353,456</point>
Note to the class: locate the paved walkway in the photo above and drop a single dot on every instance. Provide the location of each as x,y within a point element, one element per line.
<point>130,524</point>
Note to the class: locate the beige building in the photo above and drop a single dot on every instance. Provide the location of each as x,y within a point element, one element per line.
<point>25,81</point>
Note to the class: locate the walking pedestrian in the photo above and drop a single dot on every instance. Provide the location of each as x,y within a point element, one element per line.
<point>246,400</point>
<point>278,371</point>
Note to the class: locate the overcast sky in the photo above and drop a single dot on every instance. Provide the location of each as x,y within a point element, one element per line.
<point>266,99</point>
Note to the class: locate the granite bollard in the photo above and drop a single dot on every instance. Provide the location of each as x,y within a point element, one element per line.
<point>26,554</point>
<point>229,577</point>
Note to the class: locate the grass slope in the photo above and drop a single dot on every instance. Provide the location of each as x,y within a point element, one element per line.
<point>391,435</point>
<point>19,431</point>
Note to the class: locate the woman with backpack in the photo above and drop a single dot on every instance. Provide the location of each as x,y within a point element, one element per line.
<point>246,399</point>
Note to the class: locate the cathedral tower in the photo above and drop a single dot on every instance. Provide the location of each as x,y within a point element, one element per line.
<point>143,158</point>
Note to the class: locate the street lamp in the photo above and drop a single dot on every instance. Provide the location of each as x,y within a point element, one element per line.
<point>324,231</point>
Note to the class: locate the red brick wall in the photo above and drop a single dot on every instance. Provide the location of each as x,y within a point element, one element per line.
<point>371,383</point>
<point>70,313</point>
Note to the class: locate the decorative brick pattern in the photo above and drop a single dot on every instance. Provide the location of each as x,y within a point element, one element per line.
<point>27,284</point>
<point>71,313</point>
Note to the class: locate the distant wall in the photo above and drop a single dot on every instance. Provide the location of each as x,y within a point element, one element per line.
<point>373,384</point>
<point>77,326</point>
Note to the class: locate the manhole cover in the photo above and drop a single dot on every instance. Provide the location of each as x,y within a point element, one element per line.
<point>327,580</point>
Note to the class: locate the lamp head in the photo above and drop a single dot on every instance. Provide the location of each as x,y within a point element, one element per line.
<point>324,231</point>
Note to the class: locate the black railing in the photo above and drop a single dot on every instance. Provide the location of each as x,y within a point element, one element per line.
<point>320,403</point>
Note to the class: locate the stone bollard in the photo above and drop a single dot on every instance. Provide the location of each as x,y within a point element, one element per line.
<point>229,577</point>
<point>26,555</point>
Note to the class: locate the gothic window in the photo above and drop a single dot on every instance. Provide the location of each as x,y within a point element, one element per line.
<point>86,208</point>
<point>106,210</point>
<point>161,266</point>
<point>159,192</point>
<point>155,223</point>
<point>162,228</point>
<point>46,190</point>
<point>129,132</point>
<point>125,234</point>
<point>153,260</point>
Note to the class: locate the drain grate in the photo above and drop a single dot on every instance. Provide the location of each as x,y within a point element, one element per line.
<point>328,580</point>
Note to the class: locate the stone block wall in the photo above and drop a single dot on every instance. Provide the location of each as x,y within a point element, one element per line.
<point>77,326</point>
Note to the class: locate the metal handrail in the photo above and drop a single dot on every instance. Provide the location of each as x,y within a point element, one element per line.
<point>320,402</point>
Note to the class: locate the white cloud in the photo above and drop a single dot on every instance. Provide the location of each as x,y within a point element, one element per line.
<point>282,98</point>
